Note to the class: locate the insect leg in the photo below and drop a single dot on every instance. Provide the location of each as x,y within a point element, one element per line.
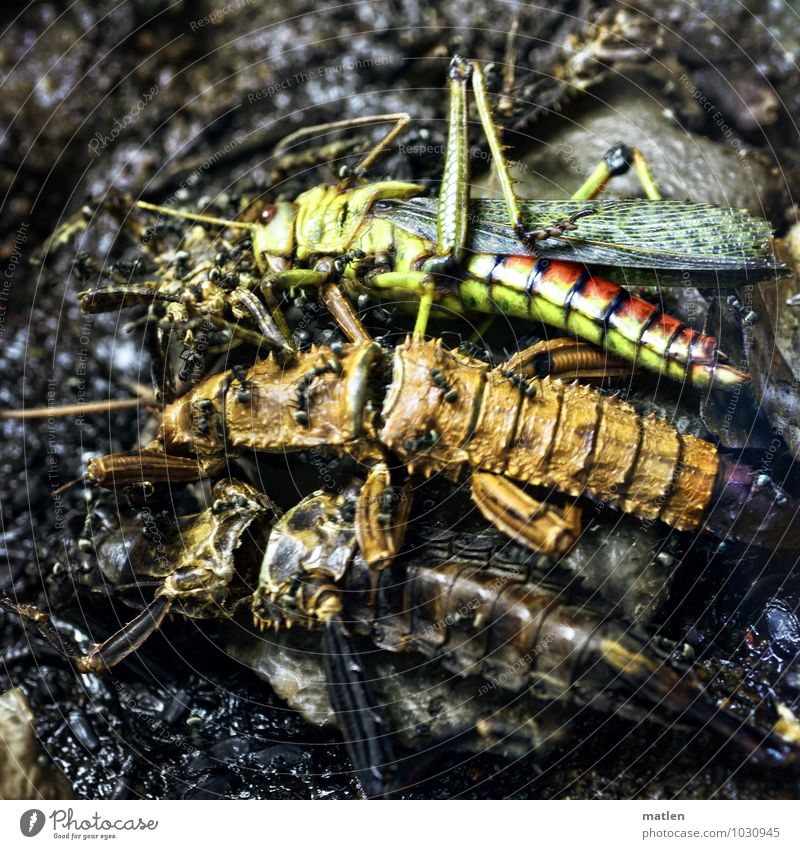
<point>400,119</point>
<point>421,282</point>
<point>566,358</point>
<point>501,168</point>
<point>526,520</point>
<point>244,304</point>
<point>103,655</point>
<point>381,515</point>
<point>452,216</point>
<point>364,730</point>
<point>493,139</point>
<point>294,278</point>
<point>340,307</point>
<point>121,296</point>
<point>618,160</point>
<point>145,468</point>
<point>344,313</point>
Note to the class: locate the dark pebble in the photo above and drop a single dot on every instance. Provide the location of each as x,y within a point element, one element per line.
<point>176,709</point>
<point>82,730</point>
<point>213,786</point>
<point>286,754</point>
<point>230,749</point>
<point>202,763</point>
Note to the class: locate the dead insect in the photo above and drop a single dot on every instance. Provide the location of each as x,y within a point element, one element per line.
<point>205,570</point>
<point>487,612</point>
<point>516,634</point>
<point>523,259</point>
<point>501,434</point>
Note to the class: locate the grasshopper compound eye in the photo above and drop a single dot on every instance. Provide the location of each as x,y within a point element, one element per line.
<point>274,233</point>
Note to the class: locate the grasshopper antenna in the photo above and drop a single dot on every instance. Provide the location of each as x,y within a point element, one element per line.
<point>77,409</point>
<point>84,478</point>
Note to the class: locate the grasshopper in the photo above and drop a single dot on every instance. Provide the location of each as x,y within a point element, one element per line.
<point>439,412</point>
<point>453,256</point>
<point>504,622</point>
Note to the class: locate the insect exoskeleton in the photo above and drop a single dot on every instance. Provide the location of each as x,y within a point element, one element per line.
<point>539,633</point>
<point>500,429</point>
<point>454,256</point>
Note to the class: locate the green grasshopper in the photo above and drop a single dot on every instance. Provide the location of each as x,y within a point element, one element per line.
<point>454,256</point>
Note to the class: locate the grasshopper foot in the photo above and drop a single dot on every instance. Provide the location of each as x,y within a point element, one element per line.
<point>551,231</point>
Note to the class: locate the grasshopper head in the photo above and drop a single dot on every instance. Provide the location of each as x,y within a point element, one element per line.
<point>273,237</point>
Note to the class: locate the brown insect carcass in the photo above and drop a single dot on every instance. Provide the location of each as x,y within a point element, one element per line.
<point>441,412</point>
<point>507,624</point>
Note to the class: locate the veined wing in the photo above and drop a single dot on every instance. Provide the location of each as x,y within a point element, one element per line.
<point>717,245</point>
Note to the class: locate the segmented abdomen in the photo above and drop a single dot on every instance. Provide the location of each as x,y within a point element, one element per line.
<point>542,432</point>
<point>567,296</point>
<point>575,439</point>
<point>517,635</point>
<point>514,634</point>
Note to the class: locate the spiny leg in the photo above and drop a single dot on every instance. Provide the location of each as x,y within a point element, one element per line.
<point>528,521</point>
<point>495,147</point>
<point>493,139</point>
<point>381,515</point>
<point>121,296</point>
<point>452,217</point>
<point>617,161</point>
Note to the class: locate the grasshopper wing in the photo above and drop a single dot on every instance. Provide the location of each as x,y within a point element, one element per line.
<point>677,242</point>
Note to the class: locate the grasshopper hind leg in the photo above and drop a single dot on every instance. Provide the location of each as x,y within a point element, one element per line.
<point>539,526</point>
<point>618,160</point>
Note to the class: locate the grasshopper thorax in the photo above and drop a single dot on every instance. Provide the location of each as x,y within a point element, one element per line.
<point>309,552</point>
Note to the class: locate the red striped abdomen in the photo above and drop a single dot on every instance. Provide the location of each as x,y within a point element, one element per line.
<point>567,296</point>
